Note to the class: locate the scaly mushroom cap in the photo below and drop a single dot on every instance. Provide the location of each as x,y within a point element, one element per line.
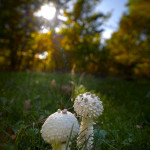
<point>88,105</point>
<point>58,126</point>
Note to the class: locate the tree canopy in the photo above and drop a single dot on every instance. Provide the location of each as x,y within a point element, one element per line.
<point>78,43</point>
<point>129,46</point>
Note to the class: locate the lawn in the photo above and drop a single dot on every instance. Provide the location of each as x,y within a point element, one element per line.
<point>27,98</point>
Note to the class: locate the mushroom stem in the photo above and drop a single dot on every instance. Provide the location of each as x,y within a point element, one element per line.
<point>61,146</point>
<point>85,138</point>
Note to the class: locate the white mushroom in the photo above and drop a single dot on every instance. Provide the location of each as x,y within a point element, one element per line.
<point>88,106</point>
<point>58,127</point>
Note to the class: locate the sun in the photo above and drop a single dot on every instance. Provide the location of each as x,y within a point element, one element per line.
<point>47,11</point>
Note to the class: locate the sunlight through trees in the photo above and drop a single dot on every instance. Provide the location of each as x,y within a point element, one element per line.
<point>56,35</point>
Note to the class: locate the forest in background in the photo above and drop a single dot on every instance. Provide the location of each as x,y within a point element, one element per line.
<point>77,46</point>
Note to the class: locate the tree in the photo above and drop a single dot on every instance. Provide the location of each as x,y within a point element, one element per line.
<point>81,35</point>
<point>18,23</point>
<point>129,46</point>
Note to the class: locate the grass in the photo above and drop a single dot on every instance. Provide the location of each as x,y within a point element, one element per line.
<point>26,98</point>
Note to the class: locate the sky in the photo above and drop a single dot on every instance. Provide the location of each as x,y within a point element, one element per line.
<point>117,8</point>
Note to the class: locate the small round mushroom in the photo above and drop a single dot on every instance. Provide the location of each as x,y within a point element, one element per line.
<point>88,106</point>
<point>57,128</point>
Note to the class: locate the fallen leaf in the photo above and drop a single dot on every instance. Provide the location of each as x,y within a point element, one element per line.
<point>27,104</point>
<point>53,84</point>
<point>66,89</point>
<point>13,137</point>
<point>11,130</point>
<point>139,126</point>
<point>73,70</point>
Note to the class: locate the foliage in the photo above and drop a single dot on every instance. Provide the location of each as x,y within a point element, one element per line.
<point>18,24</point>
<point>78,44</point>
<point>129,46</point>
<point>81,34</point>
<point>123,125</point>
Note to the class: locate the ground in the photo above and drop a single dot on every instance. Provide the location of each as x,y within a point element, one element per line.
<point>27,98</point>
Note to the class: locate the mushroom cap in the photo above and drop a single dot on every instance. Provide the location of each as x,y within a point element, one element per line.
<point>58,126</point>
<point>88,105</point>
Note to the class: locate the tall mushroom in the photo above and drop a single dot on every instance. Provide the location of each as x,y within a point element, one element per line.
<point>58,127</point>
<point>88,106</point>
